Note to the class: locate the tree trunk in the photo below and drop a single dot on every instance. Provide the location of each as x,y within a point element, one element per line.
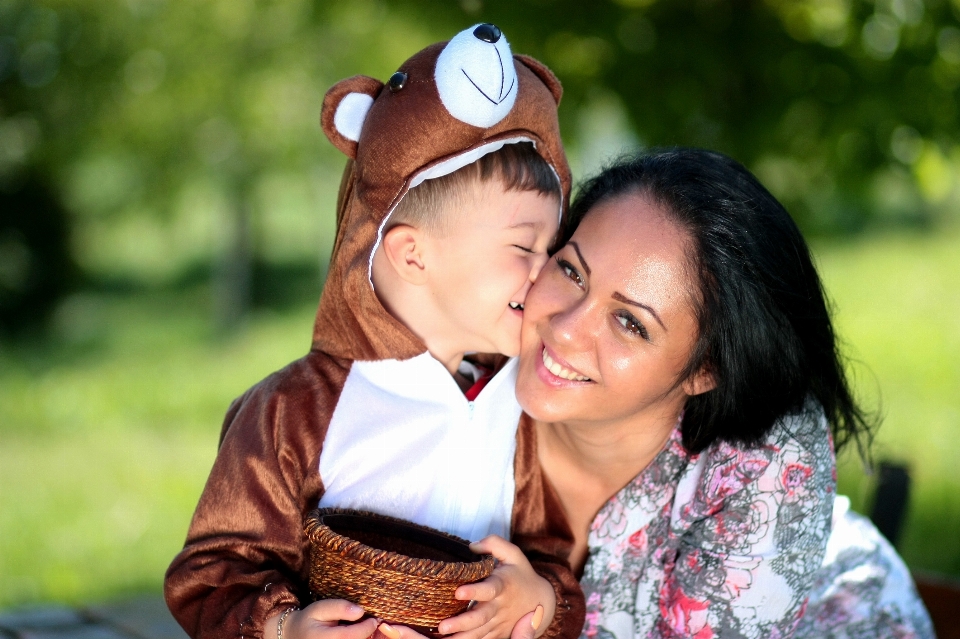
<point>233,269</point>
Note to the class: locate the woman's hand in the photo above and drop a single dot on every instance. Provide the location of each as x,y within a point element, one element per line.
<point>513,591</point>
<point>523,629</point>
<point>320,620</point>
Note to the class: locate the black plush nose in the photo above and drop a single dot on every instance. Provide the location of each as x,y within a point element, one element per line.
<point>487,32</point>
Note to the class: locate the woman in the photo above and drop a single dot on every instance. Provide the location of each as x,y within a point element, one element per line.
<point>681,372</point>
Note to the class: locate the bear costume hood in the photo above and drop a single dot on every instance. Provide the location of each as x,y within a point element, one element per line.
<point>445,107</point>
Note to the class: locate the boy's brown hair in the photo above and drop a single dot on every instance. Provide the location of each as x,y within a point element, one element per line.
<point>516,167</point>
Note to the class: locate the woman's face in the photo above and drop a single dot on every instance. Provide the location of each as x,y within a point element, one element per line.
<point>609,325</point>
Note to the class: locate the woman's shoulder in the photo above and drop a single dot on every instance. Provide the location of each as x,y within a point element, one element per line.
<point>806,429</point>
<point>794,462</point>
<point>805,433</point>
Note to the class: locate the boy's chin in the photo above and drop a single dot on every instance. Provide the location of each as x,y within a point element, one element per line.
<point>510,349</point>
<point>496,345</point>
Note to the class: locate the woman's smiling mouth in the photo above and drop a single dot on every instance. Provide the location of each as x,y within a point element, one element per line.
<point>561,372</point>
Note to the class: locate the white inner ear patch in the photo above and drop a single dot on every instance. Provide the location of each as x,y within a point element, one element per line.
<point>350,114</point>
<point>476,80</point>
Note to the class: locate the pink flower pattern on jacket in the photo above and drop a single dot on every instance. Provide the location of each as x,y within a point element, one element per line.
<point>725,543</point>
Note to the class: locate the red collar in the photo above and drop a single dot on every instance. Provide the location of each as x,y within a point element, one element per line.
<point>472,392</point>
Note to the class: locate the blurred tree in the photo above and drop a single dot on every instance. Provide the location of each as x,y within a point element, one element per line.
<point>35,264</point>
<point>847,109</point>
<point>170,127</point>
<point>182,135</point>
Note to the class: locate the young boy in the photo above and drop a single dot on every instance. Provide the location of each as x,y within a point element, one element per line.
<point>446,211</point>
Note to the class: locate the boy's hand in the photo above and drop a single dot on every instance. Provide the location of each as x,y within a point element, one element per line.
<point>513,591</point>
<point>320,620</point>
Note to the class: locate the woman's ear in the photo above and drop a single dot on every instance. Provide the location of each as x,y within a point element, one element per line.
<point>403,247</point>
<point>700,382</point>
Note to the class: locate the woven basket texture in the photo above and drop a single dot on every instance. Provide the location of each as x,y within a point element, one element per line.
<point>396,570</point>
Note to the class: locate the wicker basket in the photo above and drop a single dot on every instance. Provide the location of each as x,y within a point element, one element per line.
<point>398,571</point>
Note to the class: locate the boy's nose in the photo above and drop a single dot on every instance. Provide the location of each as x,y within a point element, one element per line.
<point>537,266</point>
<point>487,32</point>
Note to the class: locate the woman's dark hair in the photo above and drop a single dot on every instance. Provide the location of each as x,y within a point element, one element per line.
<point>764,329</point>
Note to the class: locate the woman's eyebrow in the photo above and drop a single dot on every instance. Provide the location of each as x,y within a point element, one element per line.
<point>583,262</point>
<point>627,300</point>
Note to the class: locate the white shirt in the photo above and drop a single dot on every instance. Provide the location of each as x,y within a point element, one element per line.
<point>404,441</point>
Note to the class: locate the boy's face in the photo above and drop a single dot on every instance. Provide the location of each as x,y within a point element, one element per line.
<point>484,264</point>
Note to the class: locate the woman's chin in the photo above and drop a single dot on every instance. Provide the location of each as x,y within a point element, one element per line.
<point>544,396</point>
<point>540,409</point>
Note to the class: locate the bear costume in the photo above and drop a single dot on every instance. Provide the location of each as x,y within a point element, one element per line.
<point>368,419</point>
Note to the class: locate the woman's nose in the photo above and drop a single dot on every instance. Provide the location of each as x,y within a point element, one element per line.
<point>571,325</point>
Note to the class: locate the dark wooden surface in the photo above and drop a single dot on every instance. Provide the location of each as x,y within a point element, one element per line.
<point>143,617</point>
<point>942,597</point>
<point>147,617</point>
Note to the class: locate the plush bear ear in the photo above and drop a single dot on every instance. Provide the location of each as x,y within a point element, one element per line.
<point>542,72</point>
<point>345,108</point>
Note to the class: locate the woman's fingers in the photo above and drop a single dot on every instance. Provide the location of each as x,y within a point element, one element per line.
<point>333,610</point>
<point>407,633</point>
<point>361,630</point>
<point>526,627</point>
<point>484,590</point>
<point>537,618</point>
<point>469,620</point>
<point>497,546</point>
<point>388,631</point>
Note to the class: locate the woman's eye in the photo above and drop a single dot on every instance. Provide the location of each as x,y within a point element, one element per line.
<point>632,325</point>
<point>571,273</point>
<point>524,248</point>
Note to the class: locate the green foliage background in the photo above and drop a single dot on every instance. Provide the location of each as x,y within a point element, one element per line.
<point>181,140</point>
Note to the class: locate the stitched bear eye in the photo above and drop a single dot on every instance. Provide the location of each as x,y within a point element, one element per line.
<point>397,81</point>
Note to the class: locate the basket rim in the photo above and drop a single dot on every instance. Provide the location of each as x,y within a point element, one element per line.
<point>324,537</point>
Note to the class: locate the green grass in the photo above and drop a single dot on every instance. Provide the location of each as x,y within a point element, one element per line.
<point>108,431</point>
<point>898,310</point>
<point>106,437</point>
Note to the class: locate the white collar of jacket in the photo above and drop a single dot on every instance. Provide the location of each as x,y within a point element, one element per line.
<point>404,441</point>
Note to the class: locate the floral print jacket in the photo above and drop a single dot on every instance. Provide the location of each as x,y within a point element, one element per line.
<point>725,543</point>
<point>746,543</point>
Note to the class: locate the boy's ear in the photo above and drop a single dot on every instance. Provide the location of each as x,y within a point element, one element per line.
<point>402,245</point>
<point>700,382</point>
<point>345,108</point>
<point>542,72</point>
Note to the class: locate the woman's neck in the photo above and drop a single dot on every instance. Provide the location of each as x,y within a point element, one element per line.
<point>614,453</point>
<point>588,463</point>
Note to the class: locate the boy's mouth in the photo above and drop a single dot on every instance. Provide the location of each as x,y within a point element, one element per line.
<point>517,306</point>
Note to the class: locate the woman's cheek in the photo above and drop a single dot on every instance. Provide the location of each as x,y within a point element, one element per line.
<point>535,306</point>
<point>616,353</point>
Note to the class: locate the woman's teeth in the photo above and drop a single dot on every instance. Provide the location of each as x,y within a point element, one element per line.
<point>560,371</point>
<point>517,306</point>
